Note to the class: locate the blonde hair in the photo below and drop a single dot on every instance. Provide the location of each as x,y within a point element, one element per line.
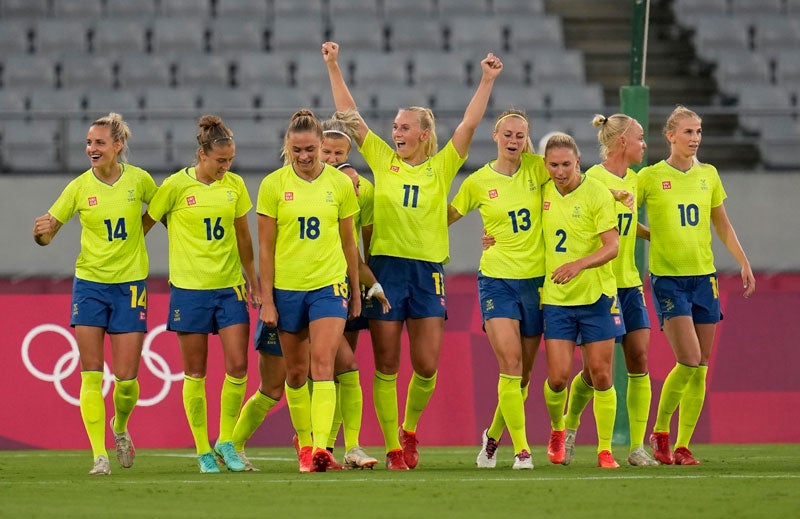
<point>212,131</point>
<point>514,112</point>
<point>342,124</point>
<point>611,128</point>
<point>119,132</point>
<point>561,140</point>
<point>302,120</point>
<point>426,122</point>
<point>680,112</point>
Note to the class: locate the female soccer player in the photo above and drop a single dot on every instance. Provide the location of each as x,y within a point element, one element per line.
<point>409,246</point>
<point>209,245</point>
<point>684,198</point>
<point>507,192</point>
<point>622,145</point>
<point>108,293</point>
<point>580,294</point>
<point>308,260</point>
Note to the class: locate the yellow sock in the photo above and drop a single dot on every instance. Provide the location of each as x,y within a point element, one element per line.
<point>498,424</point>
<point>638,402</point>
<point>509,399</point>
<point>351,403</point>
<point>691,405</point>
<point>93,411</point>
<point>336,424</point>
<point>194,404</point>
<point>555,402</point>
<point>230,403</point>
<point>298,400</point>
<point>671,393</point>
<point>323,403</point>
<point>252,416</point>
<point>579,395</point>
<point>126,394</point>
<point>605,411</point>
<point>384,396</point>
<point>420,390</point>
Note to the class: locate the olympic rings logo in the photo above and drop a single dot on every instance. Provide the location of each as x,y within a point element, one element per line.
<point>68,363</point>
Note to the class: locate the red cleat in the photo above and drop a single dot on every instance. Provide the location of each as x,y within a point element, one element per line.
<point>395,460</point>
<point>321,460</point>
<point>555,447</point>
<point>659,441</point>
<point>683,456</point>
<point>606,461</point>
<point>408,441</point>
<point>304,457</point>
<point>335,465</point>
<point>296,443</point>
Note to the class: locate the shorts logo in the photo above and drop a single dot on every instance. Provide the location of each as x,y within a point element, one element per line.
<point>288,196</point>
<point>492,193</point>
<point>142,316</point>
<point>75,309</point>
<point>191,200</point>
<point>546,205</point>
<point>272,338</point>
<point>617,320</point>
<point>668,305</point>
<point>92,201</point>
<point>666,184</point>
<point>176,315</point>
<point>489,305</point>
<point>395,168</point>
<point>442,301</point>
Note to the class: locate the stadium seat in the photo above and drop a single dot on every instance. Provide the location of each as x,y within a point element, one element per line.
<point>361,33</point>
<point>390,98</point>
<point>32,146</point>
<point>793,7</point>
<point>136,72</point>
<point>515,8</point>
<point>260,70</point>
<point>787,69</point>
<point>23,71</point>
<point>421,9</point>
<point>687,10</point>
<point>127,10</point>
<point>378,68</point>
<point>527,35</point>
<point>338,9</point>
<point>87,9</point>
<point>523,97</point>
<point>557,67</point>
<point>178,35</point>
<point>407,34</point>
<point>24,8</point>
<point>438,69</point>
<point>48,101</point>
<point>101,102</point>
<point>308,68</point>
<point>719,33</point>
<point>86,71</point>
<point>160,101</point>
<point>119,36</point>
<point>258,143</point>
<point>581,97</point>
<point>757,103</point>
<point>285,100</point>
<point>454,8</point>
<point>751,8</point>
<point>15,37</point>
<point>477,36</point>
<point>296,34</point>
<point>293,9</point>
<point>222,100</point>
<point>57,37</point>
<point>779,143</point>
<point>151,149</point>
<point>737,67</point>
<point>200,70</point>
<point>451,100</point>
<point>516,71</point>
<point>255,10</point>
<point>776,32</point>
<point>12,101</point>
<point>185,8</point>
<point>235,35</point>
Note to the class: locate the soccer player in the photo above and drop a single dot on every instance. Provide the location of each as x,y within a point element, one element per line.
<point>507,192</point>
<point>622,145</point>
<point>109,294</point>
<point>579,222</point>
<point>409,247</point>
<point>308,260</point>
<point>684,198</point>
<point>206,207</point>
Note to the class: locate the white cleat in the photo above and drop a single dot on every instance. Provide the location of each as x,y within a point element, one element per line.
<point>569,446</point>
<point>523,461</point>
<point>356,458</point>
<point>101,467</point>
<point>639,458</point>
<point>248,467</point>
<point>486,457</point>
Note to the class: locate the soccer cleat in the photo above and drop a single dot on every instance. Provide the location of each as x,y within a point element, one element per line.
<point>248,467</point>
<point>486,457</point>
<point>523,461</point>
<point>639,458</point>
<point>569,446</point>
<point>101,467</point>
<point>321,460</point>
<point>683,456</point>
<point>304,458</point>
<point>335,465</point>
<point>659,441</point>
<point>408,440</point>
<point>208,463</point>
<point>606,461</point>
<point>296,443</point>
<point>226,454</point>
<point>125,451</point>
<point>555,447</point>
<point>356,458</point>
<point>395,460</point>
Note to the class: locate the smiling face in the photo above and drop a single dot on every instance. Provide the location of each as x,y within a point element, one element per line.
<point>304,149</point>
<point>511,135</point>
<point>408,136</point>
<point>563,166</point>
<point>685,139</point>
<point>100,146</point>
<point>335,149</point>
<point>212,165</point>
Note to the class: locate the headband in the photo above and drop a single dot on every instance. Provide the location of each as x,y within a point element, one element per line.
<point>506,117</point>
<point>339,133</point>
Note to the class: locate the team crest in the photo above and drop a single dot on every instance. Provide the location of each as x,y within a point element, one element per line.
<point>191,200</point>
<point>92,201</point>
<point>231,198</point>
<point>576,211</point>
<point>493,193</point>
<point>703,185</point>
<point>288,196</point>
<point>131,195</point>
<point>328,197</point>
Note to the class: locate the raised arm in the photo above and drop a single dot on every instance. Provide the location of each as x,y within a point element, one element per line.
<point>341,94</point>
<point>462,136</point>
<point>727,235</point>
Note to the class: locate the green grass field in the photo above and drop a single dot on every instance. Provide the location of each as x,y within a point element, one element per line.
<point>734,481</point>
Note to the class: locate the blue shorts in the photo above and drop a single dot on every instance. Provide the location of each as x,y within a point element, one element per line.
<point>297,308</point>
<point>206,311</point>
<point>359,323</point>
<point>117,307</point>
<point>595,322</point>
<point>518,299</point>
<point>696,296</point>
<point>414,288</point>
<point>634,309</point>
<point>266,340</point>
